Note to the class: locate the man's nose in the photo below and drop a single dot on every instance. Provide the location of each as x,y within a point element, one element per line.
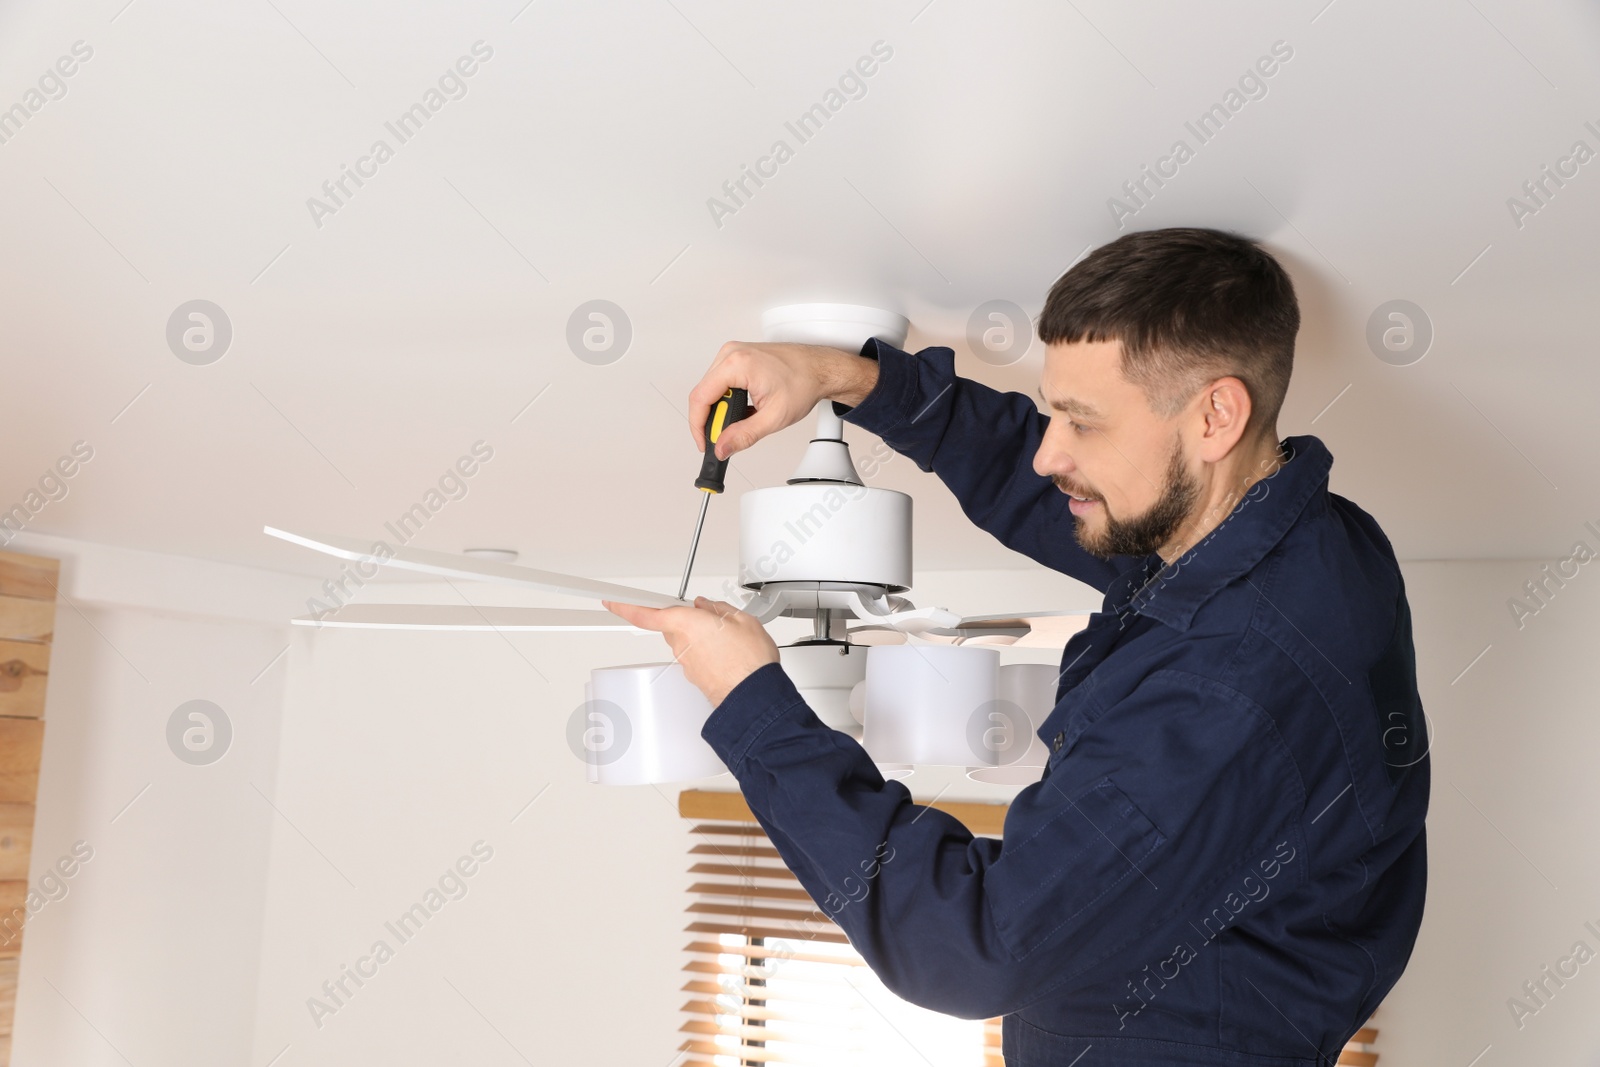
<point>1050,460</point>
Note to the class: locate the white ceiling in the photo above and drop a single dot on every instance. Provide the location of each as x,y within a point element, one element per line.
<point>370,353</point>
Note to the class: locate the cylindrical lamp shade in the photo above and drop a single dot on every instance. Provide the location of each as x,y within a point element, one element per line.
<point>858,711</point>
<point>640,724</point>
<point>927,704</point>
<point>1027,694</point>
<point>825,680</point>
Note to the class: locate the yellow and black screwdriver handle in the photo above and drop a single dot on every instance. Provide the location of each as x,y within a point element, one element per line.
<point>734,405</point>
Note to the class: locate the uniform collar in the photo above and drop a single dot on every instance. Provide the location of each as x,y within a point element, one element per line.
<point>1171,593</point>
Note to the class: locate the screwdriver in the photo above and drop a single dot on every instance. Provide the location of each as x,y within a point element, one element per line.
<point>734,405</point>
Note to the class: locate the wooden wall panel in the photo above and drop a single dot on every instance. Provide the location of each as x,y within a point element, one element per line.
<point>13,913</point>
<point>21,741</point>
<point>8,994</point>
<point>980,818</point>
<point>26,620</point>
<point>28,589</point>
<point>16,839</point>
<point>24,671</point>
<point>29,577</point>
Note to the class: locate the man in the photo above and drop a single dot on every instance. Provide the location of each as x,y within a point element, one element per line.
<point>1224,860</point>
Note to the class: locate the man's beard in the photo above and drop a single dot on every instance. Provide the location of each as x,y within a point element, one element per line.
<point>1144,534</point>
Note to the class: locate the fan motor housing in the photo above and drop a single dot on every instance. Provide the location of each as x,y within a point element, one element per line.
<point>825,532</point>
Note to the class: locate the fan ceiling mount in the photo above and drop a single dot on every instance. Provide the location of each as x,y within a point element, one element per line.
<point>824,546</point>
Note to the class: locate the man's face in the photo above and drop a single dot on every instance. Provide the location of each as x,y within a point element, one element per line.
<point>1110,448</point>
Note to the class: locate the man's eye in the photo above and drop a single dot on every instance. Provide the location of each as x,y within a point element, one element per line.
<point>1078,427</point>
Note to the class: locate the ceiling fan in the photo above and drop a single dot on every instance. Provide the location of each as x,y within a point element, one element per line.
<point>916,685</point>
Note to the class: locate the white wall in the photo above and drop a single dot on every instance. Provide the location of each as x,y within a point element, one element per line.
<point>1514,803</point>
<point>151,955</point>
<point>207,917</point>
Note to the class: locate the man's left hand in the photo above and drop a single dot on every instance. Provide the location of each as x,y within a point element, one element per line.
<point>718,645</point>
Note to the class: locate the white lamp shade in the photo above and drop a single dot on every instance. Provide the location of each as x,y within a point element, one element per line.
<point>926,704</point>
<point>858,713</point>
<point>825,680</point>
<point>640,724</point>
<point>1027,694</point>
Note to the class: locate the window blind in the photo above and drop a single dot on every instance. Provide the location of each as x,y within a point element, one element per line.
<point>1362,1048</point>
<point>771,980</point>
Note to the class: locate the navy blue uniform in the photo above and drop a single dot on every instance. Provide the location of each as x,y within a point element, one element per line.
<point>1224,861</point>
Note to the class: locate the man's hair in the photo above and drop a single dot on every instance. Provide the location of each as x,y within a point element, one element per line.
<point>1189,305</point>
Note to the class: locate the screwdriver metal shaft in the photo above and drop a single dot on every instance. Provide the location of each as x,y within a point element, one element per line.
<point>683,587</point>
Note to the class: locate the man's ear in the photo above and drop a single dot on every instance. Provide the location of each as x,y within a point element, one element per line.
<point>1225,410</point>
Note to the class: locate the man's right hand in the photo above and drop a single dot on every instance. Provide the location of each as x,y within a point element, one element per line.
<point>785,383</point>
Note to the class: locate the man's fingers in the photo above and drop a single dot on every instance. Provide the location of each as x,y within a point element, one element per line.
<point>744,433</point>
<point>706,605</point>
<point>737,435</point>
<point>697,423</point>
<point>634,613</point>
<point>723,610</point>
<point>717,381</point>
<point>666,621</point>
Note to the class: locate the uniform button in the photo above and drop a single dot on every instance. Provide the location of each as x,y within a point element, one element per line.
<point>1060,739</point>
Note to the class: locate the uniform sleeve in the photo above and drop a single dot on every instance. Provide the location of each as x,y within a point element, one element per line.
<point>981,443</point>
<point>1158,810</point>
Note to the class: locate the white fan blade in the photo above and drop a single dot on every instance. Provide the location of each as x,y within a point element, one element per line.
<point>1053,630</point>
<point>1035,629</point>
<point>916,620</point>
<point>466,617</point>
<point>875,635</point>
<point>450,565</point>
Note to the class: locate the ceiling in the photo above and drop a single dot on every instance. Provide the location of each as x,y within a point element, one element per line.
<point>376,339</point>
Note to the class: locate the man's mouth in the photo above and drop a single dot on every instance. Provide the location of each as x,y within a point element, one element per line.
<point>1078,505</point>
